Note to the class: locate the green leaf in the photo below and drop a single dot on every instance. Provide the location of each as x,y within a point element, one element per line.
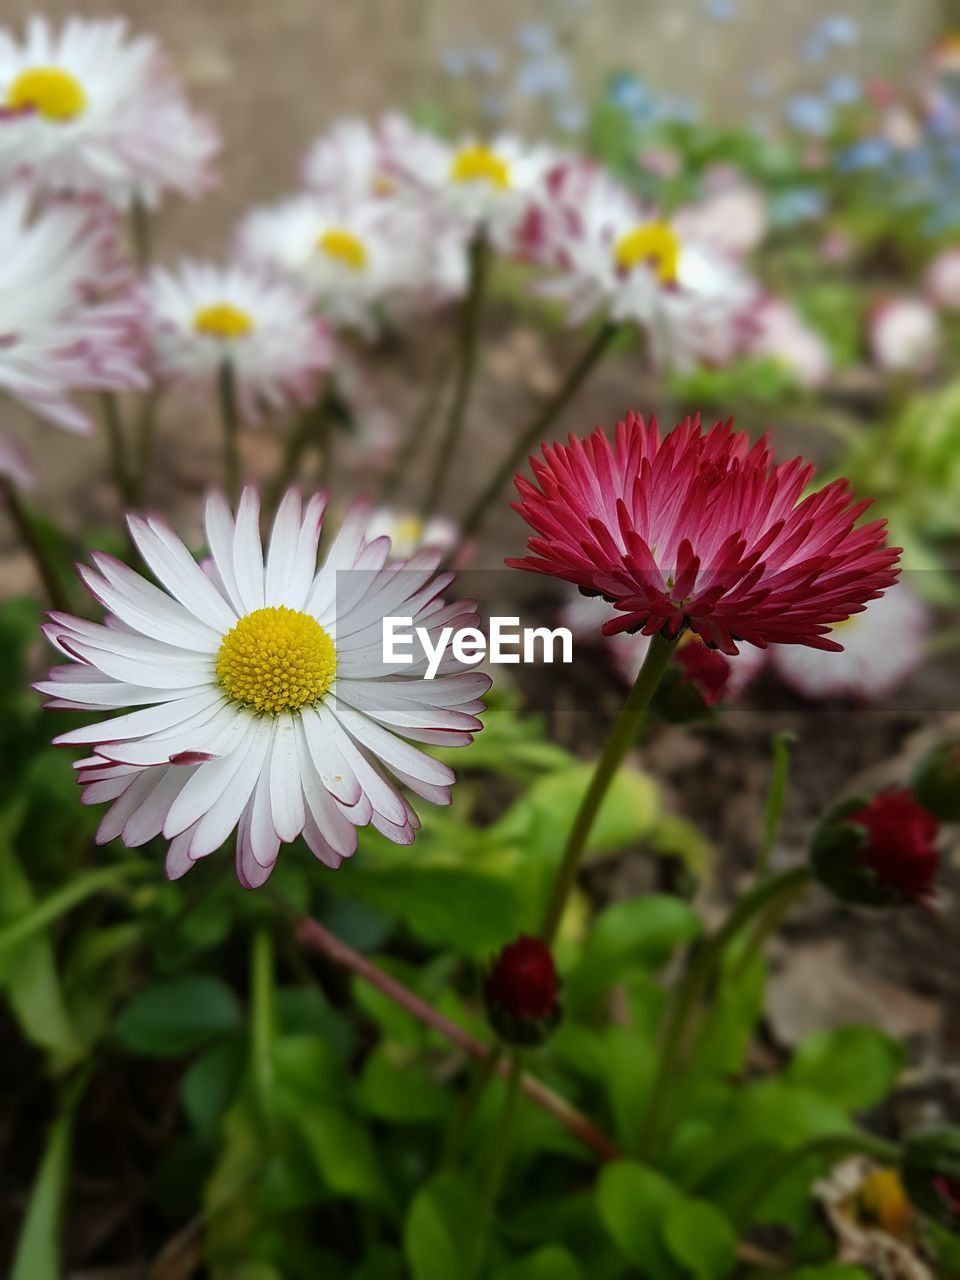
<point>549,1263</point>
<point>394,1087</point>
<point>629,1060</point>
<point>633,1201</point>
<point>211,1084</point>
<point>36,1255</point>
<point>701,1238</point>
<point>28,971</point>
<point>172,1018</point>
<point>548,808</point>
<point>440,1226</point>
<point>644,931</point>
<point>855,1067</point>
<point>342,1151</point>
<point>444,906</point>
<point>830,1271</point>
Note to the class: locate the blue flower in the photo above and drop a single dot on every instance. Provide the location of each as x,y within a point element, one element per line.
<point>544,77</point>
<point>628,91</point>
<point>809,114</point>
<point>455,63</point>
<point>844,90</point>
<point>721,10</point>
<point>869,153</point>
<point>798,204</point>
<point>534,37</point>
<point>487,59</point>
<point>839,29</point>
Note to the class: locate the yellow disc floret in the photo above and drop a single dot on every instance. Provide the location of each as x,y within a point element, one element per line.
<point>480,164</point>
<point>654,244</point>
<point>51,91</point>
<point>277,659</point>
<point>882,1200</point>
<point>344,247</point>
<point>222,320</point>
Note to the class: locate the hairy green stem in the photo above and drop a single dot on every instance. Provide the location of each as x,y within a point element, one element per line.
<point>117,443</point>
<point>538,427</point>
<point>262,1016</point>
<point>230,417</point>
<point>621,739</point>
<point>32,539</point>
<point>687,998</point>
<point>419,427</point>
<point>467,343</point>
<point>483,1072</point>
<point>498,1157</point>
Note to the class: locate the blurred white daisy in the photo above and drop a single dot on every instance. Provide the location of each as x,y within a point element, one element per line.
<point>357,160</point>
<point>781,333</point>
<point>904,335</point>
<point>732,220</point>
<point>882,647</point>
<point>614,256</point>
<point>942,279</point>
<point>201,315</point>
<point>70,318</point>
<point>265,705</point>
<point>492,186</point>
<point>90,109</point>
<point>408,532</point>
<point>362,260</point>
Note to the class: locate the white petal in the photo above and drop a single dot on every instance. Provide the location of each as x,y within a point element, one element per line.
<point>286,793</point>
<point>282,550</point>
<point>393,751</point>
<point>327,759</point>
<point>174,566</point>
<point>150,720</point>
<point>224,814</point>
<point>248,552</point>
<point>219,526</point>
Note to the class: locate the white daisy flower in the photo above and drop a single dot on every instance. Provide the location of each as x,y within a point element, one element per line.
<point>202,315</point>
<point>782,334</point>
<point>904,335</point>
<point>408,532</point>
<point>493,186</point>
<point>942,279</point>
<point>89,109</point>
<point>352,256</point>
<point>69,315</point>
<point>358,160</point>
<point>882,647</point>
<point>264,704</point>
<point>614,255</point>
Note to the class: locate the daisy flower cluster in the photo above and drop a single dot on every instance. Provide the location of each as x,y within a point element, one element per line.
<point>263,702</point>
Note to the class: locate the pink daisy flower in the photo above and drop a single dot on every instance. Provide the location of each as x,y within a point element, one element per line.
<point>701,530</point>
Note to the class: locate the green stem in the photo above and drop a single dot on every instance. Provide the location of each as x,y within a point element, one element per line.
<point>687,998</point>
<point>466,368</point>
<point>227,391</point>
<point>832,1148</point>
<point>140,233</point>
<point>499,1155</point>
<point>32,539</point>
<point>262,1016</point>
<point>63,900</point>
<point>621,739</point>
<point>419,427</point>
<point>536,430</point>
<point>37,1250</point>
<point>118,448</point>
<point>297,443</point>
<point>776,794</point>
<point>483,1072</point>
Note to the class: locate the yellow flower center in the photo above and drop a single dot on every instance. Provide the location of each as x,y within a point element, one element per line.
<point>652,243</point>
<point>222,320</point>
<point>344,246</point>
<point>480,164</point>
<point>49,90</point>
<point>408,532</point>
<point>882,1200</point>
<point>277,659</point>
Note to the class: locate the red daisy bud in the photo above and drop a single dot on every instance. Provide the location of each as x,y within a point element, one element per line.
<point>936,782</point>
<point>705,668</point>
<point>930,1172</point>
<point>521,992</point>
<point>878,853</point>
